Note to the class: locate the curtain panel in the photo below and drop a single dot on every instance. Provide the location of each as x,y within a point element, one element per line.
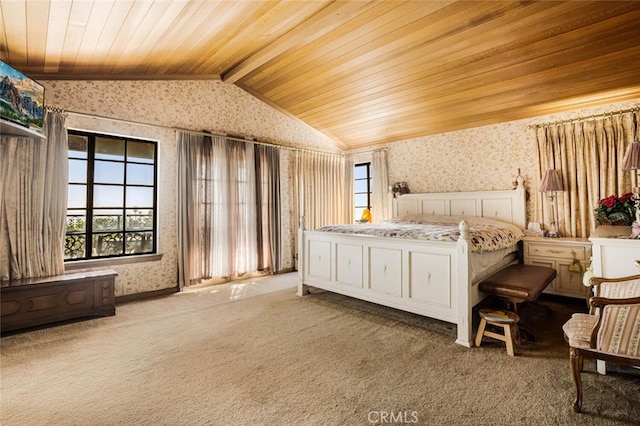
<point>380,184</point>
<point>228,208</point>
<point>589,156</point>
<point>322,191</point>
<point>34,176</point>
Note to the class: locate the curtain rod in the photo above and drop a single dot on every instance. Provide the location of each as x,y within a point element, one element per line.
<point>195,132</point>
<point>581,119</point>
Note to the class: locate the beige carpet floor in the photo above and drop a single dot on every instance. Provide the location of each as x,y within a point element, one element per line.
<point>279,359</point>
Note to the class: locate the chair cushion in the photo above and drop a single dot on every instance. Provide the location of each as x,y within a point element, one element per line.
<point>619,331</point>
<point>620,290</point>
<point>578,330</point>
<point>524,282</point>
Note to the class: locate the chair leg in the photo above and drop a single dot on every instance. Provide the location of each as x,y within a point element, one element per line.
<point>576,363</point>
<point>481,327</point>
<point>508,339</point>
<point>515,331</point>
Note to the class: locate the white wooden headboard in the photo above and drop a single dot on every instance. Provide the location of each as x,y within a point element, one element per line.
<point>507,206</point>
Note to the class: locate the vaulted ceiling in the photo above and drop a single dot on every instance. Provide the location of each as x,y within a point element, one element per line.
<point>361,72</point>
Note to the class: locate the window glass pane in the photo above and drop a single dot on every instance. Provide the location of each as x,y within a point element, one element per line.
<point>141,152</point>
<point>360,172</point>
<point>361,200</point>
<point>358,214</point>
<point>108,172</point>
<point>139,219</point>
<point>76,221</point>
<point>139,242</point>
<point>109,149</point>
<point>360,186</point>
<point>107,195</point>
<point>107,220</point>
<point>107,244</point>
<point>77,196</point>
<point>75,247</point>
<point>138,196</point>
<point>77,146</point>
<point>139,174</point>
<point>78,171</point>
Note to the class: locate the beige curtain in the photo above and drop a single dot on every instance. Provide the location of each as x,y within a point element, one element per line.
<point>589,155</point>
<point>228,208</point>
<point>33,201</point>
<point>380,186</point>
<point>322,191</point>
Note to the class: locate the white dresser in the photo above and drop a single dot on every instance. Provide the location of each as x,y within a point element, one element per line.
<point>613,255</point>
<point>613,252</point>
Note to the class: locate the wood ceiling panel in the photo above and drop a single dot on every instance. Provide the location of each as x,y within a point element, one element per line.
<point>386,47</point>
<point>255,31</point>
<point>362,72</point>
<point>14,29</point>
<point>88,53</point>
<point>149,28</point>
<point>345,41</point>
<point>416,91</point>
<point>38,14</point>
<point>325,21</point>
<point>448,62</point>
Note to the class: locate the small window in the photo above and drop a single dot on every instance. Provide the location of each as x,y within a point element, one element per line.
<point>361,188</point>
<point>112,196</point>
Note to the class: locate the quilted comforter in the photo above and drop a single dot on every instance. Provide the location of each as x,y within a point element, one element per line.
<point>486,234</point>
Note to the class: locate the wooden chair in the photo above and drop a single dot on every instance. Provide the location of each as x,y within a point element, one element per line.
<point>610,330</point>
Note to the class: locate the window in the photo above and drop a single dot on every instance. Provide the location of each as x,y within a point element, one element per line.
<point>362,188</point>
<point>112,196</point>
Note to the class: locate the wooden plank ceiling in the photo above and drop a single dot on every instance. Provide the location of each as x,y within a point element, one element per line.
<point>362,72</point>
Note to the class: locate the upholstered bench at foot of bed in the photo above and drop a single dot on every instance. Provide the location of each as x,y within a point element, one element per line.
<point>517,284</point>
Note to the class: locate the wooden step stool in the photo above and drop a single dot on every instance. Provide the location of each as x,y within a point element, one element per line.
<point>508,321</point>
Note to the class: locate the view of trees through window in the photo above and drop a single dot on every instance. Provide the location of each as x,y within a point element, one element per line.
<point>112,196</point>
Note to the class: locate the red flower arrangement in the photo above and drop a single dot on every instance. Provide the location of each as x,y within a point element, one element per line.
<point>615,210</point>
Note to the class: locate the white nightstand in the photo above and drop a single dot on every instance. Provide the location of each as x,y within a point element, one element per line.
<point>568,256</point>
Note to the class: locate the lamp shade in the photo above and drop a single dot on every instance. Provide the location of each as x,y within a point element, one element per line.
<point>551,181</point>
<point>631,160</point>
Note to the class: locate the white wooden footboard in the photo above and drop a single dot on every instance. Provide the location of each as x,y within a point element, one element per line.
<point>429,278</point>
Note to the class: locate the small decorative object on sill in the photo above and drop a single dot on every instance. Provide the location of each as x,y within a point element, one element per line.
<point>616,211</point>
<point>400,188</point>
<point>366,216</point>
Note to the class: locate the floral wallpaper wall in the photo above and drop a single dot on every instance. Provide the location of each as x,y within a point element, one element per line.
<point>102,106</point>
<point>482,158</point>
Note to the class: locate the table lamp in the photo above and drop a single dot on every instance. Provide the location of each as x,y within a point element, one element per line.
<point>550,183</point>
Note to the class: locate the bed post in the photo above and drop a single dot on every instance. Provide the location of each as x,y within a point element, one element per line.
<point>520,205</point>
<point>303,289</point>
<point>463,291</point>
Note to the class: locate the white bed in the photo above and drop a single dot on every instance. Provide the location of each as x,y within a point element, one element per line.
<point>437,279</point>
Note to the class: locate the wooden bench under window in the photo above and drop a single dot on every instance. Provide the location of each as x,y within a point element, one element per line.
<point>31,302</point>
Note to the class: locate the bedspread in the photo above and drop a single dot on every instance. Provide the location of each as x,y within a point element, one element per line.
<point>485,234</point>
